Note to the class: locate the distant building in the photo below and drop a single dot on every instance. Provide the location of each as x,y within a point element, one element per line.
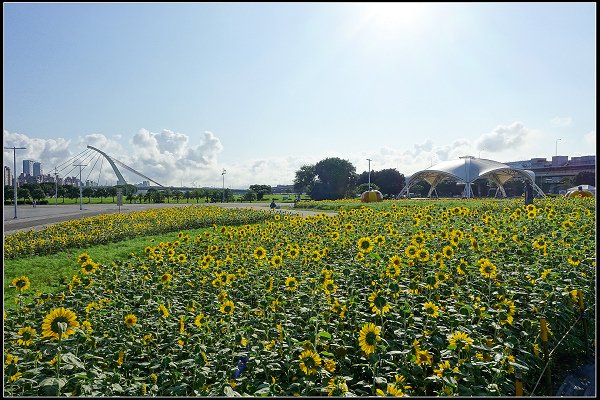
<point>37,169</point>
<point>27,168</point>
<point>7,177</point>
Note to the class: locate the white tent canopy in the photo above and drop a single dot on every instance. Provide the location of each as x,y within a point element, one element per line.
<point>468,169</point>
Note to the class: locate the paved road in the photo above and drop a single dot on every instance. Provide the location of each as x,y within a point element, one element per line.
<point>29,217</point>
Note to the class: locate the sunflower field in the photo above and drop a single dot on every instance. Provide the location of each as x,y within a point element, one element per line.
<point>434,299</point>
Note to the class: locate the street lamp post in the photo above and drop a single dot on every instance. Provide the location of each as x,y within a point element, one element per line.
<point>80,187</point>
<point>15,174</point>
<point>56,181</point>
<point>369,160</point>
<point>556,149</point>
<point>223,173</point>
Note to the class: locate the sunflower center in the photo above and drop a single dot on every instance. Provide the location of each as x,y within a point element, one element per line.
<point>380,302</point>
<point>370,338</point>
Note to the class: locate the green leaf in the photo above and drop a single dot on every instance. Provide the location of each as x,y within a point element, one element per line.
<point>325,334</point>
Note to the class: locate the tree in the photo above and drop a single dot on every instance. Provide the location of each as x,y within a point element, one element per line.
<point>167,194</point>
<point>88,192</point>
<point>101,192</point>
<point>261,190</point>
<point>249,196</point>
<point>38,194</point>
<point>389,181</point>
<point>337,177</point>
<point>112,192</point>
<point>62,192</point>
<point>305,178</point>
<point>187,195</point>
<point>72,191</point>
<point>23,193</point>
<point>177,195</point>
<point>9,194</point>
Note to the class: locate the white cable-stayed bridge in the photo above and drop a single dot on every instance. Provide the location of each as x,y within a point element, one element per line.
<point>89,158</point>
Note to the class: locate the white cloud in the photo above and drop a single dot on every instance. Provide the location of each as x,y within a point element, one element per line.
<point>504,138</point>
<point>50,152</point>
<point>562,121</point>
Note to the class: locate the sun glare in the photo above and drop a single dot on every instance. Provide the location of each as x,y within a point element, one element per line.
<point>396,16</point>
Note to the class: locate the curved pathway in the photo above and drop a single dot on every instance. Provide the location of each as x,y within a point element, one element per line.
<point>29,217</point>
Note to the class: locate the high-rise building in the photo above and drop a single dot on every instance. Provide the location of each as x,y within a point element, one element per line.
<point>7,177</point>
<point>37,169</point>
<point>27,167</point>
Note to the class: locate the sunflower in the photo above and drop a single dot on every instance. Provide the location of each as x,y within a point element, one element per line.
<point>411,251</point>
<point>27,334</point>
<point>181,258</point>
<point>166,278</point>
<point>431,309</point>
<point>291,283</point>
<point>460,339</point>
<point>329,365</point>
<point>337,387</point>
<point>391,390</point>
<point>448,252</point>
<point>574,260</point>
<point>59,323</point>
<point>395,261</point>
<point>21,283</point>
<point>227,307</point>
<point>86,326</point>
<point>309,361</point>
<point>378,303</point>
<point>364,244</point>
<point>88,267</point>
<point>487,269</point>
<point>379,239</point>
<point>276,261</point>
<point>130,320</point>
<point>163,310</point>
<point>418,239</point>
<point>260,253</point>
<point>199,319</point>
<point>329,286</point>
<point>423,255</point>
<point>293,253</point>
<point>368,337</point>
<point>423,357</point>
<point>441,367</point>
<point>83,257</point>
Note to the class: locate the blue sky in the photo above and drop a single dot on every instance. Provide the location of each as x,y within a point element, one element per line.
<point>181,91</point>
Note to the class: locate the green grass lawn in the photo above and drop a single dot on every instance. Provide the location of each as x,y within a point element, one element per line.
<point>50,274</point>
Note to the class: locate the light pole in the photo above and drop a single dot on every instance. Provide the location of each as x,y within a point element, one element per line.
<point>80,188</point>
<point>56,181</point>
<point>223,173</point>
<point>369,160</point>
<point>556,149</point>
<point>15,174</point>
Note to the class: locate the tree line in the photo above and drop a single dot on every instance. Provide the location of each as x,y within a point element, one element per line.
<point>334,178</point>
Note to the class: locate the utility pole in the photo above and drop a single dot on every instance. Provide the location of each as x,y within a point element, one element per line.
<point>80,187</point>
<point>556,149</point>
<point>369,160</point>
<point>223,173</point>
<point>15,174</point>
